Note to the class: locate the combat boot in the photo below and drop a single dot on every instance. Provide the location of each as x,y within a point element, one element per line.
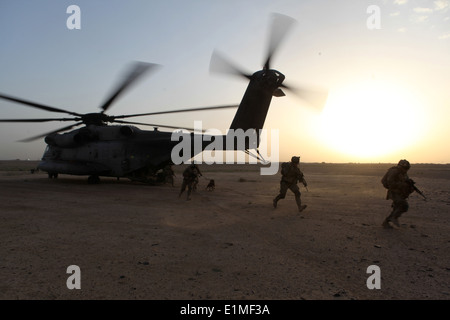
<point>386,224</point>
<point>275,201</point>
<point>390,223</point>
<point>395,222</point>
<point>301,208</point>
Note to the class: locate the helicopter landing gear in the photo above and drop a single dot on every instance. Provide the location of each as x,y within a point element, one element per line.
<point>52,175</point>
<point>94,179</point>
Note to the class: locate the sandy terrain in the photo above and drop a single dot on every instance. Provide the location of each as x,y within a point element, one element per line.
<point>133,241</point>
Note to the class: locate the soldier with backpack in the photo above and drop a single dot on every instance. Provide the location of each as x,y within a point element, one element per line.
<point>291,174</point>
<point>399,186</point>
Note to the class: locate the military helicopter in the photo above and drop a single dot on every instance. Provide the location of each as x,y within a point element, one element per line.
<point>99,149</point>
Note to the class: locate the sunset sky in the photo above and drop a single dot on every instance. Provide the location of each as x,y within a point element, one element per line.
<point>389,83</point>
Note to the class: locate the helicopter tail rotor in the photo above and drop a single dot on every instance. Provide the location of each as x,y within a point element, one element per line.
<point>281,24</point>
<point>280,27</point>
<point>219,64</point>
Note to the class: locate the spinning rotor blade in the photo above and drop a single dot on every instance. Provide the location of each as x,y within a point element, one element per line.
<point>54,131</point>
<point>219,64</point>
<point>136,71</point>
<point>37,105</point>
<point>175,111</point>
<point>315,97</point>
<point>156,125</point>
<point>39,120</point>
<point>280,27</point>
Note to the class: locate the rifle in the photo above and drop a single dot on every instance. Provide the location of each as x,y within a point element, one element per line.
<point>412,183</point>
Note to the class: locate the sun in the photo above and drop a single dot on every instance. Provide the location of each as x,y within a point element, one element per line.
<point>368,120</point>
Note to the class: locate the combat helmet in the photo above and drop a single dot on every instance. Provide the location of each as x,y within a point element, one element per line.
<point>295,159</point>
<point>404,164</point>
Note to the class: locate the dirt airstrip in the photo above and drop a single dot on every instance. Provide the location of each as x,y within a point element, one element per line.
<point>134,241</point>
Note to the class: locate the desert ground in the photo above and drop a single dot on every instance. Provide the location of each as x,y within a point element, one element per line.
<point>135,241</point>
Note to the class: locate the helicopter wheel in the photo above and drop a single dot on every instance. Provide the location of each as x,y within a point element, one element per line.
<point>94,179</point>
<point>52,175</point>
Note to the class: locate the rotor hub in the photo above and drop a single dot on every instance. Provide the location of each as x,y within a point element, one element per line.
<point>98,119</point>
<point>269,79</point>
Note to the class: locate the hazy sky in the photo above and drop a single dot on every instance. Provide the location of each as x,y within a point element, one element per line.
<point>388,75</point>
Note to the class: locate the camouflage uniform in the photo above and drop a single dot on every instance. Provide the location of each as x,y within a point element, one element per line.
<point>190,176</point>
<point>290,175</point>
<point>399,188</point>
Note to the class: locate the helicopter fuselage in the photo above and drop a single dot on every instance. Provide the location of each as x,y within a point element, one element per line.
<point>114,151</point>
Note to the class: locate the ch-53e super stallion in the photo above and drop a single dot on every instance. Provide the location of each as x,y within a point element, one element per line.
<point>124,150</point>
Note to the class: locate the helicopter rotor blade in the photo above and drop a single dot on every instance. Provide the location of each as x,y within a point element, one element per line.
<point>315,97</point>
<point>219,64</point>
<point>37,105</point>
<point>135,72</point>
<point>54,131</point>
<point>156,125</point>
<point>40,120</point>
<point>176,111</point>
<point>281,24</point>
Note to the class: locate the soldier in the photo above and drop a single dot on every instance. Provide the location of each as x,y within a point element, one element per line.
<point>290,175</point>
<point>168,174</point>
<point>190,175</point>
<point>399,188</point>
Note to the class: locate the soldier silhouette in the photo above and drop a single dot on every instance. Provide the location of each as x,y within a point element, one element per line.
<point>399,186</point>
<point>290,175</point>
<point>190,177</point>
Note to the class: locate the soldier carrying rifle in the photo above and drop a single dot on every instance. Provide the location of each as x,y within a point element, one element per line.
<point>399,186</point>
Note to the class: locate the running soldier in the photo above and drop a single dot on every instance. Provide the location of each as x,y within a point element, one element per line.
<point>399,186</point>
<point>190,176</point>
<point>291,174</point>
